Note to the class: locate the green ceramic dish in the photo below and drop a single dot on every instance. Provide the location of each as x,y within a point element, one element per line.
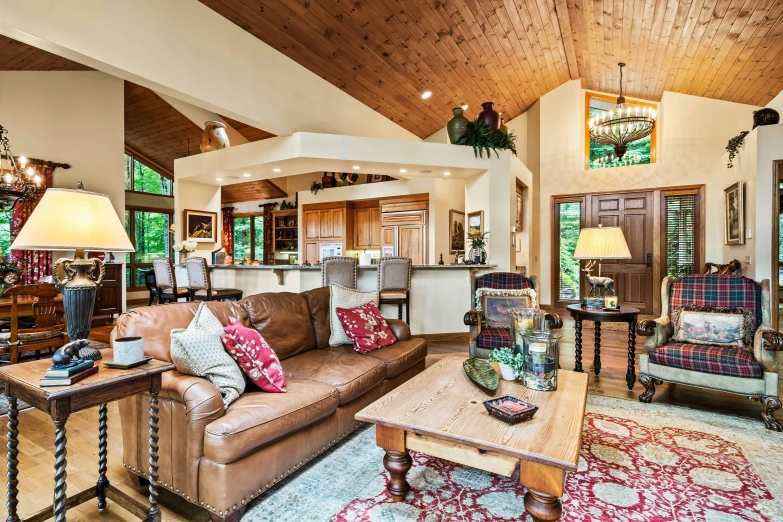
<point>117,366</point>
<point>482,374</point>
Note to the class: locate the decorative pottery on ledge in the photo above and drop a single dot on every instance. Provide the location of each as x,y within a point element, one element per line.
<point>489,116</point>
<point>765,116</point>
<point>214,136</point>
<point>457,125</point>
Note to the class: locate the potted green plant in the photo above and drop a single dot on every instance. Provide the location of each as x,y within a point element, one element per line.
<point>478,250</point>
<point>479,136</point>
<point>510,362</point>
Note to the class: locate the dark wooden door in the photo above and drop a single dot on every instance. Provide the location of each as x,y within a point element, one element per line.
<point>634,213</point>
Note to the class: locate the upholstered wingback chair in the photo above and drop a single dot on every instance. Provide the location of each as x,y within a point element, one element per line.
<point>751,371</point>
<point>486,335</point>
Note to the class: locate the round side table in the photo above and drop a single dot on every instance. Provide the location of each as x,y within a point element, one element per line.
<point>624,314</point>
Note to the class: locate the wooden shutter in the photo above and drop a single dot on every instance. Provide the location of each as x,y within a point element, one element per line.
<point>681,234</point>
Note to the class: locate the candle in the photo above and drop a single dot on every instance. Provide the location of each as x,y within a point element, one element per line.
<point>610,302</point>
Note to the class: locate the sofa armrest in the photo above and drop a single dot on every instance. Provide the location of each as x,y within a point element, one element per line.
<point>766,343</point>
<point>472,318</point>
<point>400,329</point>
<point>658,331</point>
<point>201,398</point>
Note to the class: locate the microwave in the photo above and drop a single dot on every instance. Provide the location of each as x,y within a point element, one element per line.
<point>330,250</point>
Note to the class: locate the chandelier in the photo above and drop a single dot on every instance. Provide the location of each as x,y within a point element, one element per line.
<point>18,181</point>
<point>623,125</point>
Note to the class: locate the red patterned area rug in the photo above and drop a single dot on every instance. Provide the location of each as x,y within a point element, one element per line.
<point>649,463</point>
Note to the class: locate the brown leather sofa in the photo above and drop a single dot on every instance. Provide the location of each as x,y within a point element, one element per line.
<point>222,460</point>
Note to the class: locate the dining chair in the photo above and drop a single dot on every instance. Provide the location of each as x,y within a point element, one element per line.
<point>394,284</point>
<point>200,283</point>
<point>340,270</point>
<point>151,284</point>
<point>48,329</point>
<point>168,291</point>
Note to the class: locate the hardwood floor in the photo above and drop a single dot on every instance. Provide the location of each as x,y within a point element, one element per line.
<point>37,432</point>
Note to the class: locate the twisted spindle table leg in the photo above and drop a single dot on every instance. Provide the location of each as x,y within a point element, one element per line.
<point>630,376</point>
<point>103,481</point>
<point>13,462</point>
<point>597,356</point>
<point>578,345</point>
<point>154,513</point>
<point>60,474</point>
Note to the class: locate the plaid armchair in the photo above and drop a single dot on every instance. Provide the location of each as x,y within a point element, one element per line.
<point>486,337</point>
<point>725,368</point>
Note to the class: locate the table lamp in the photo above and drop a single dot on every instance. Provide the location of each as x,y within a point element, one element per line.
<point>67,219</point>
<point>597,244</point>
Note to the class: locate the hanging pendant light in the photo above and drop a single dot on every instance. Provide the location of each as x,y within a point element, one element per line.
<point>623,125</point>
<point>18,182</point>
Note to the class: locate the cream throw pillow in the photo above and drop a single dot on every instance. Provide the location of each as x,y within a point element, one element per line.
<point>198,350</point>
<point>344,297</point>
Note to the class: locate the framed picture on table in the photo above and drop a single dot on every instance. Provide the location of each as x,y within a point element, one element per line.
<point>200,226</point>
<point>734,203</point>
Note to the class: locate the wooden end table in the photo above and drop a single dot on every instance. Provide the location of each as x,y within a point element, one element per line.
<point>624,314</point>
<point>440,412</point>
<point>22,382</point>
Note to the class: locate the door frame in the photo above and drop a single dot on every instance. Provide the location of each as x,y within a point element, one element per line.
<point>658,273</point>
<point>775,272</point>
<point>555,287</point>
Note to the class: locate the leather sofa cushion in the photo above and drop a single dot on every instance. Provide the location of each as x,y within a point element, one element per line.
<point>283,320</point>
<point>352,374</point>
<point>154,323</point>
<point>318,302</point>
<point>256,419</point>
<point>397,358</point>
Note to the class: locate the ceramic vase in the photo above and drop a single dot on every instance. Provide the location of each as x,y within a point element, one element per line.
<point>489,116</point>
<point>214,136</point>
<point>457,125</point>
<point>128,350</point>
<point>766,116</point>
<point>507,372</point>
<point>478,256</point>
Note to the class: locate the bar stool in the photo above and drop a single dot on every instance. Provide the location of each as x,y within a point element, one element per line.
<point>394,284</point>
<point>167,282</point>
<point>200,283</point>
<point>340,270</point>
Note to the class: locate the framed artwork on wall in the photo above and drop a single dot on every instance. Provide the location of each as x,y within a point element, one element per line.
<point>476,223</point>
<point>734,208</point>
<point>200,226</point>
<point>457,230</point>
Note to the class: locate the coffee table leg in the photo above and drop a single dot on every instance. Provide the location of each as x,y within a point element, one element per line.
<point>13,462</point>
<point>543,508</point>
<point>630,376</point>
<point>103,482</point>
<point>578,344</point>
<point>397,463</point>
<point>60,474</point>
<point>154,512</point>
<point>597,356</point>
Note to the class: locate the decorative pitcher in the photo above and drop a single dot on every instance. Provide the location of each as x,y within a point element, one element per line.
<point>214,136</point>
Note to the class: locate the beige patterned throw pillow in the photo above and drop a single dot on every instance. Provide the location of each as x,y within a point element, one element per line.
<point>343,297</point>
<point>198,350</point>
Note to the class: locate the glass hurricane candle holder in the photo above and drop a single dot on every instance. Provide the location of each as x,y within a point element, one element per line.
<point>541,355</point>
<point>523,322</point>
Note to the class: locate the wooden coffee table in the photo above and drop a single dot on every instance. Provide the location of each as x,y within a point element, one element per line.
<point>440,412</point>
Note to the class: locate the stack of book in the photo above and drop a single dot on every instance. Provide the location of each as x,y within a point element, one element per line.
<point>68,376</point>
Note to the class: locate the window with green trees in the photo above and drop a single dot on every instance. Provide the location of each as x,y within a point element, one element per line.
<point>5,233</point>
<point>149,232</point>
<point>568,224</point>
<point>600,156</point>
<point>141,178</point>
<point>248,238</point>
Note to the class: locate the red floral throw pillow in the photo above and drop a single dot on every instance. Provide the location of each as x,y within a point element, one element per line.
<point>254,356</point>
<point>366,327</point>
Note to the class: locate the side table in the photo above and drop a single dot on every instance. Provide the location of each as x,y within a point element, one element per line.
<point>22,382</point>
<point>623,315</point>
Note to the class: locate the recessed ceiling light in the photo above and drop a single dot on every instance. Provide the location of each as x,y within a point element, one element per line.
<point>403,171</point>
<point>447,173</point>
<point>426,94</point>
<point>276,170</point>
<point>246,174</point>
<point>465,107</point>
<point>218,179</point>
<point>356,167</point>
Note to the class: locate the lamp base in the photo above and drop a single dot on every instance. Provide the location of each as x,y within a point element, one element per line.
<point>82,279</point>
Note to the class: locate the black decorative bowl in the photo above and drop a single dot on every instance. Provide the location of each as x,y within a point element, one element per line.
<point>510,409</point>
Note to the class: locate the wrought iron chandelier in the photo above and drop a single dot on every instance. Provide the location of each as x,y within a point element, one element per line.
<point>623,125</point>
<point>18,182</point>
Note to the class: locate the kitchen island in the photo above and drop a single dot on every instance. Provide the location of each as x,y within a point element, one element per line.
<point>442,291</point>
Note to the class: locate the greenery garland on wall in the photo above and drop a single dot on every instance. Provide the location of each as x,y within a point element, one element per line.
<point>479,136</point>
<point>733,147</point>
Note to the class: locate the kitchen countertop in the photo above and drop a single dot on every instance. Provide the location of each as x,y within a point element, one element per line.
<point>318,267</point>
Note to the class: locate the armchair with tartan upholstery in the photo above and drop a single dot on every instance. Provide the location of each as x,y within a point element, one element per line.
<point>485,338</point>
<point>752,372</point>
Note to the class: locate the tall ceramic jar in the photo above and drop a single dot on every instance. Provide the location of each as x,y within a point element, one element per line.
<point>457,125</point>
<point>214,136</point>
<point>489,116</point>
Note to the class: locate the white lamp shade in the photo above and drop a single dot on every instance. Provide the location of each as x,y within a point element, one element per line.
<point>67,219</point>
<point>602,243</point>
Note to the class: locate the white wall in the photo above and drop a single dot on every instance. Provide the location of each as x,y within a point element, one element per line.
<point>196,196</point>
<point>693,133</point>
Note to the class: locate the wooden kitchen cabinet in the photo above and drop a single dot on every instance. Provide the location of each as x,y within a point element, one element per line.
<point>326,223</point>
<point>311,252</point>
<point>387,236</point>
<point>108,299</point>
<point>367,228</point>
<point>312,224</point>
<point>411,243</point>
<point>338,223</point>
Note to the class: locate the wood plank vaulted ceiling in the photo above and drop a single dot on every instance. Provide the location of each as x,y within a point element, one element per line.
<point>385,53</point>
